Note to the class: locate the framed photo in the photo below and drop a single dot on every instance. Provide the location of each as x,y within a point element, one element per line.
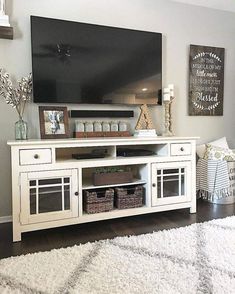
<point>53,122</point>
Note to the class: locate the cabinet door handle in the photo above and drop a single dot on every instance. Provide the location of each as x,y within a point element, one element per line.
<point>76,193</point>
<point>154,185</point>
<point>36,156</point>
<point>182,149</point>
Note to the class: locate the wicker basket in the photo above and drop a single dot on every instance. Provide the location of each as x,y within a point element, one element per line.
<point>129,197</point>
<point>98,200</point>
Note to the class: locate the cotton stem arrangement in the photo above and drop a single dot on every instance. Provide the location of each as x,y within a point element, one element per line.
<point>17,97</point>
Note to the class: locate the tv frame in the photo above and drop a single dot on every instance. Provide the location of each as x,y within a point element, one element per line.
<point>84,103</point>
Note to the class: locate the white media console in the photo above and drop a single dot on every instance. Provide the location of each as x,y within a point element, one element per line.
<point>48,184</point>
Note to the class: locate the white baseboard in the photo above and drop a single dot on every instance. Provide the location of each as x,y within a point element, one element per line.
<point>5,219</point>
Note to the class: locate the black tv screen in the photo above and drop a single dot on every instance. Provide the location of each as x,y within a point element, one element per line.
<point>84,63</point>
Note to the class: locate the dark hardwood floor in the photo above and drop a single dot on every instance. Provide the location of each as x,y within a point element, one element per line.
<point>135,225</point>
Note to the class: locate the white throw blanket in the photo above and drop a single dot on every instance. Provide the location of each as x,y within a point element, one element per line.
<point>212,179</point>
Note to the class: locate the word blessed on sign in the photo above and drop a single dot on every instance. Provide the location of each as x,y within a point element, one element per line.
<point>206,80</point>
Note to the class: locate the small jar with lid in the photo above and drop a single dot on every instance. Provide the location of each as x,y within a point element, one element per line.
<point>122,126</point>
<point>97,126</point>
<point>114,126</point>
<point>79,127</point>
<point>106,126</point>
<point>89,126</point>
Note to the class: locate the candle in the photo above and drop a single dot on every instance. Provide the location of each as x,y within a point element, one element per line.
<point>171,88</point>
<point>2,7</point>
<point>166,94</point>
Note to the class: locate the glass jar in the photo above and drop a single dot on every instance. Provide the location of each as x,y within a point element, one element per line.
<point>114,126</point>
<point>89,126</point>
<point>80,126</point>
<point>97,126</point>
<point>106,126</point>
<point>21,129</point>
<point>122,126</point>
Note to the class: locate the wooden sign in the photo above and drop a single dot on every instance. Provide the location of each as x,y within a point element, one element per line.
<point>206,80</point>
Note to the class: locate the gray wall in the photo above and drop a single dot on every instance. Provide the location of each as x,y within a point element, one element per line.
<point>180,24</point>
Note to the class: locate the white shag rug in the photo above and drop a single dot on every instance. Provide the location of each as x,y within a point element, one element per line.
<point>196,259</point>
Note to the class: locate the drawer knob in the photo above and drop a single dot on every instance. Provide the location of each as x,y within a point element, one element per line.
<point>76,193</point>
<point>154,185</point>
<point>182,149</point>
<point>36,156</point>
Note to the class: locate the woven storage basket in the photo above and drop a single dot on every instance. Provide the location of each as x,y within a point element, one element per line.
<point>129,197</point>
<point>98,201</point>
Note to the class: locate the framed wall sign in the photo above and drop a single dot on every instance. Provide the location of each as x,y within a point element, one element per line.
<point>53,122</point>
<point>206,80</point>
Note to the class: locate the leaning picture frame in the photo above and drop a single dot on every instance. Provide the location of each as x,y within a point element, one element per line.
<point>53,122</point>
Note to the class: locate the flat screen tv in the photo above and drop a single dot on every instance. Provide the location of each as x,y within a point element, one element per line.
<point>77,63</point>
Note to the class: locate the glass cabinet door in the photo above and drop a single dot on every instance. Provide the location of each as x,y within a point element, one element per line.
<point>170,182</point>
<point>50,195</point>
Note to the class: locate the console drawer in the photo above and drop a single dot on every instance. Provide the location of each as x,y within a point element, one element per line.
<point>35,156</point>
<point>180,149</point>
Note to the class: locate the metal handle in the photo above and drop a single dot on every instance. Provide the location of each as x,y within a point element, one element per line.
<point>182,149</point>
<point>154,185</point>
<point>36,156</point>
<point>76,193</point>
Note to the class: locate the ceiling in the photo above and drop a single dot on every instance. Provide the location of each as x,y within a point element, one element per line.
<point>227,5</point>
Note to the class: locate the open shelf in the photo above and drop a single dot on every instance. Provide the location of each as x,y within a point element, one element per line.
<point>66,154</point>
<point>138,151</point>
<point>115,211</point>
<point>87,184</point>
<point>112,152</point>
<point>138,171</point>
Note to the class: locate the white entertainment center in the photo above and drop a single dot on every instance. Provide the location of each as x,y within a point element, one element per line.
<point>44,173</point>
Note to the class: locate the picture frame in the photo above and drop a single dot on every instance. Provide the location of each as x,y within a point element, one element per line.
<point>53,122</point>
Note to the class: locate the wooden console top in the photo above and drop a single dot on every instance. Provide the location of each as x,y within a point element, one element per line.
<point>106,140</point>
